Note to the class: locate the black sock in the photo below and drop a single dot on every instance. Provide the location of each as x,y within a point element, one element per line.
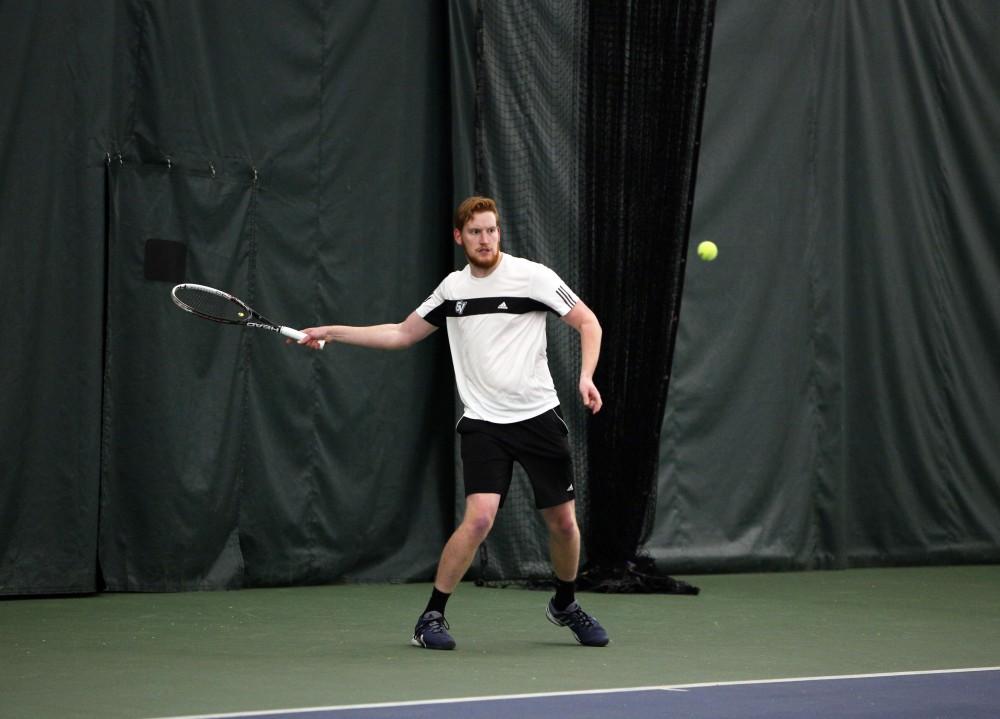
<point>565,594</point>
<point>437,602</point>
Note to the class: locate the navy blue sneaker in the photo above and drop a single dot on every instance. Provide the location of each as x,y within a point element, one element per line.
<point>431,632</point>
<point>587,630</point>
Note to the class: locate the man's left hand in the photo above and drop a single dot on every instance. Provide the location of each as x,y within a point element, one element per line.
<point>590,396</point>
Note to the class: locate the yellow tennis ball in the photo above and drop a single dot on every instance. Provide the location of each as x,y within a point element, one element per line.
<point>707,251</point>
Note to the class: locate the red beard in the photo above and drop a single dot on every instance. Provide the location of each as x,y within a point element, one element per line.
<point>483,262</point>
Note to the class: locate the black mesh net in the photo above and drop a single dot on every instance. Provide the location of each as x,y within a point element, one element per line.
<point>528,152</point>
<point>647,75</point>
<point>588,122</point>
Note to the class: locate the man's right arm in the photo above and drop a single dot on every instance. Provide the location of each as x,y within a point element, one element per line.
<point>386,337</point>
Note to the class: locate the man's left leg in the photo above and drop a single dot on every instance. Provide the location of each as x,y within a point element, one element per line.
<point>564,540</point>
<point>564,550</point>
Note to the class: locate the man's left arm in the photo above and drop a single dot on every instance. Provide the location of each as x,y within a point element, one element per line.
<point>583,320</point>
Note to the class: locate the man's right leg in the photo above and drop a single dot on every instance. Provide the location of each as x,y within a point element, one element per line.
<point>456,558</point>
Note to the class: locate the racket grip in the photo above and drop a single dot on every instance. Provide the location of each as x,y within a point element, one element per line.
<point>297,336</point>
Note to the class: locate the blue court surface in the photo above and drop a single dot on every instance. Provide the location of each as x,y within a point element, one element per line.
<point>947,694</point>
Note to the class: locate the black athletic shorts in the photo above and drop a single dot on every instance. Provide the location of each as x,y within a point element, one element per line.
<point>539,444</point>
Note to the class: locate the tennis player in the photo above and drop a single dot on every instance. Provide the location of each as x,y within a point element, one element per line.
<point>495,313</point>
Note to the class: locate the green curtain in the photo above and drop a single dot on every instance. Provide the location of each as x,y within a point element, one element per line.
<point>300,156</point>
<point>834,400</point>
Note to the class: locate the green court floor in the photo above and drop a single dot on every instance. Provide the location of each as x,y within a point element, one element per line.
<point>152,655</point>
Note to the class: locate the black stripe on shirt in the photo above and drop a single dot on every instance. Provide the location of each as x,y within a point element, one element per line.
<point>566,296</point>
<point>485,306</point>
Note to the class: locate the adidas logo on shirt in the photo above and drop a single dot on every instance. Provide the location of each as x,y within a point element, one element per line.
<point>502,306</point>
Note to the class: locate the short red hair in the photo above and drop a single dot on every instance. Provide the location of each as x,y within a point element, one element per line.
<point>472,206</point>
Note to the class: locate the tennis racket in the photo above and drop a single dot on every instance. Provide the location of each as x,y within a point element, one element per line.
<point>219,306</point>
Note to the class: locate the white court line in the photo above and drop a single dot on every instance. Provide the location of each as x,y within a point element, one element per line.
<point>583,692</point>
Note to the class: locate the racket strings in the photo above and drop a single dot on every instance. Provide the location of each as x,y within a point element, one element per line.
<point>212,305</point>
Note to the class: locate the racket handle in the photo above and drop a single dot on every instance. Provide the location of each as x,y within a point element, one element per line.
<point>297,336</point>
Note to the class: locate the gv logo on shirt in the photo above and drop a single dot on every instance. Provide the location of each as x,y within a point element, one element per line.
<point>460,307</point>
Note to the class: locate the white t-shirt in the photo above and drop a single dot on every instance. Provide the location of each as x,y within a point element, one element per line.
<point>496,330</point>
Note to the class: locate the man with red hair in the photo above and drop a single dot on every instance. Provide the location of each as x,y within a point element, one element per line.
<point>495,311</point>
